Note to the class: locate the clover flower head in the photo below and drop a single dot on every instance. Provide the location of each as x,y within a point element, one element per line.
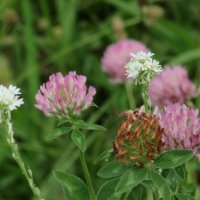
<point>139,138</point>
<point>9,97</point>
<point>172,85</point>
<point>117,55</point>
<point>63,96</point>
<point>142,68</point>
<point>181,126</point>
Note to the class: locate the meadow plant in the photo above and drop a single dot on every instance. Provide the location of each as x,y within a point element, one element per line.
<point>172,85</point>
<point>9,101</point>
<point>99,51</point>
<point>148,154</point>
<point>66,97</point>
<point>148,148</point>
<point>149,145</point>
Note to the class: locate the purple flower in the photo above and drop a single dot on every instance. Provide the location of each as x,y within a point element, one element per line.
<point>171,86</point>
<point>181,126</point>
<point>63,96</point>
<point>117,55</point>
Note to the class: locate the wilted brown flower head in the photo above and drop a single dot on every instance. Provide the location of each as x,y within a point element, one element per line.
<point>11,18</point>
<point>152,13</point>
<point>118,26</point>
<point>139,138</point>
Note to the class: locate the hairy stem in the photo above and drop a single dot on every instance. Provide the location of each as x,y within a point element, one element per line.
<point>87,176</point>
<point>146,100</point>
<point>17,157</point>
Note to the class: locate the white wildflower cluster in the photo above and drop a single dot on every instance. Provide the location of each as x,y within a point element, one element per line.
<point>142,68</point>
<point>9,98</point>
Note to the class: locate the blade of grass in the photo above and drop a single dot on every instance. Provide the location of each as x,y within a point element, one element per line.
<point>66,16</point>
<point>188,56</point>
<point>31,51</point>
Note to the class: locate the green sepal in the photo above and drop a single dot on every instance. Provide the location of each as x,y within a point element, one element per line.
<point>94,105</point>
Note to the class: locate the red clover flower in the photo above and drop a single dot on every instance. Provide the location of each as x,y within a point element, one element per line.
<point>181,126</point>
<point>171,86</point>
<point>63,96</point>
<point>117,55</point>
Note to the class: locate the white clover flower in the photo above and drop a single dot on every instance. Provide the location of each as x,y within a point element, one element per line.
<point>142,67</point>
<point>9,98</point>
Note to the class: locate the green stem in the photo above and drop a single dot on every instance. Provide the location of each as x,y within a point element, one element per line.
<point>146,100</point>
<point>87,176</point>
<point>129,92</point>
<point>149,194</point>
<point>17,157</point>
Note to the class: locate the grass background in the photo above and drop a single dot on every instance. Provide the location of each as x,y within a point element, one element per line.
<point>38,38</point>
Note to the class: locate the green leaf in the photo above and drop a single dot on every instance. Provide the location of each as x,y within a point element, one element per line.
<point>62,122</point>
<point>161,185</point>
<point>181,171</point>
<point>130,179</point>
<point>58,132</point>
<point>94,127</point>
<point>78,139</point>
<point>173,179</point>
<point>106,154</point>
<point>184,197</point>
<point>111,170</point>
<point>165,172</point>
<point>138,193</point>
<point>107,191</point>
<point>148,184</point>
<point>187,56</point>
<point>173,158</point>
<point>189,188</point>
<point>75,188</point>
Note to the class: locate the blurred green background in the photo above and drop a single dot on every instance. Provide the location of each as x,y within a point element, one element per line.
<point>38,38</point>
